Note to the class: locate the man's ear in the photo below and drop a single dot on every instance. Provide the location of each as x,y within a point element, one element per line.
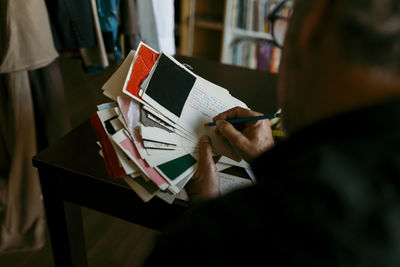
<point>314,24</point>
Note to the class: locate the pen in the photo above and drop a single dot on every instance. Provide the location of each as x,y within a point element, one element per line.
<point>248,119</point>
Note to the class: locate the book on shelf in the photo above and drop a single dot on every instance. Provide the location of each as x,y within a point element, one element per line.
<point>256,54</point>
<point>149,132</point>
<point>247,35</point>
<point>252,15</point>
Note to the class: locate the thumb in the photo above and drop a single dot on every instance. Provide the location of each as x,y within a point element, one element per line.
<point>234,137</point>
<point>205,152</point>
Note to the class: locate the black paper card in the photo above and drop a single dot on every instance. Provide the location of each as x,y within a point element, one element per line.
<point>170,85</point>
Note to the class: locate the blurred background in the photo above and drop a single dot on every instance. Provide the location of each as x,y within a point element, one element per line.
<point>230,31</point>
<point>55,55</point>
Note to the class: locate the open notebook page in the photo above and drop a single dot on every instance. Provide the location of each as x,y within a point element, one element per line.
<point>189,101</point>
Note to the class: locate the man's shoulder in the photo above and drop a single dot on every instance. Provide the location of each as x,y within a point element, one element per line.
<point>359,141</point>
<point>225,230</point>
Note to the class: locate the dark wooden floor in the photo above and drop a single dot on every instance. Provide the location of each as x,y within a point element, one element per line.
<point>109,241</point>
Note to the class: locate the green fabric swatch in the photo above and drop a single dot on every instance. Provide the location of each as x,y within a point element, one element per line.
<point>176,167</point>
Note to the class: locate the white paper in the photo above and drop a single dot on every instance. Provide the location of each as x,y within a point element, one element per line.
<point>205,101</point>
<point>159,135</point>
<point>113,86</point>
<point>139,190</point>
<point>104,115</point>
<point>188,173</point>
<point>119,138</point>
<point>229,183</point>
<point>242,163</point>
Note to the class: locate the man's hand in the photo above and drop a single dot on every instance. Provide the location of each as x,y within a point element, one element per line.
<point>249,139</point>
<point>205,181</point>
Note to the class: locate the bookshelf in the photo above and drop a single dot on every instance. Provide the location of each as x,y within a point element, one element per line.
<point>230,31</point>
<point>246,35</point>
<point>201,29</point>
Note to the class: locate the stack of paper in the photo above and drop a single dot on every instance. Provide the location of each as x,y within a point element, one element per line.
<point>149,133</point>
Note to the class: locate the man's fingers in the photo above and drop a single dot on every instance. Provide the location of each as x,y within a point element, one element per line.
<point>205,149</point>
<point>235,138</point>
<point>236,112</point>
<point>228,114</point>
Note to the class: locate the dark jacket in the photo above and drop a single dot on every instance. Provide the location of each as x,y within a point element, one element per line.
<point>71,24</point>
<point>326,196</point>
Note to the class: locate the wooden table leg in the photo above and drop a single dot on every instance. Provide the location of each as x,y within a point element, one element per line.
<point>64,221</point>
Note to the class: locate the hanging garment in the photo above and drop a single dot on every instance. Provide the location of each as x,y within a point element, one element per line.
<point>22,216</point>
<point>3,29</point>
<point>108,16</point>
<point>95,58</point>
<point>129,25</point>
<point>71,24</point>
<point>156,24</point>
<point>30,47</point>
<point>165,23</point>
<point>49,104</point>
<point>76,28</point>
<point>30,44</point>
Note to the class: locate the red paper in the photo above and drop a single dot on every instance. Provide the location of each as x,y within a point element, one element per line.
<point>114,169</point>
<point>150,172</point>
<point>145,59</point>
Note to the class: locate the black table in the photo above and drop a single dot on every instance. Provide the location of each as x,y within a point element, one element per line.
<point>72,171</point>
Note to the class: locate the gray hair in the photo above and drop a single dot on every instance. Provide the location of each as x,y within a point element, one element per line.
<point>368,30</point>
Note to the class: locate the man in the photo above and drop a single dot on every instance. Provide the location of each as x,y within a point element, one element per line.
<point>329,194</point>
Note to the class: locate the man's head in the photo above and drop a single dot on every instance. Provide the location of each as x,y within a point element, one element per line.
<point>338,55</point>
